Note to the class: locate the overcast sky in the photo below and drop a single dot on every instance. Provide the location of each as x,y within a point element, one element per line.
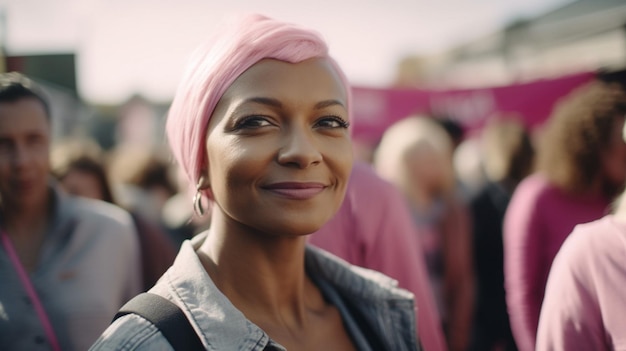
<point>140,46</point>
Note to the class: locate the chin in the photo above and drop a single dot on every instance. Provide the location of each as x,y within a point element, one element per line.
<point>302,230</point>
<point>295,228</point>
<point>299,223</point>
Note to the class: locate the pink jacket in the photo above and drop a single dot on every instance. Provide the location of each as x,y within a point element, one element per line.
<point>585,305</point>
<point>374,229</point>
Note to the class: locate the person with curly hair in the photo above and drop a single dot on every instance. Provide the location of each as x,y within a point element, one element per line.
<point>581,166</point>
<point>584,303</point>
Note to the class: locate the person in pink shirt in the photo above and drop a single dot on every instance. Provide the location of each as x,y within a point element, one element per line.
<point>584,303</point>
<point>581,167</point>
<point>584,306</point>
<point>374,229</point>
<point>415,155</point>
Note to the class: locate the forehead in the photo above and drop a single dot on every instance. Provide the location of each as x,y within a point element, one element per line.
<point>27,114</point>
<point>312,80</point>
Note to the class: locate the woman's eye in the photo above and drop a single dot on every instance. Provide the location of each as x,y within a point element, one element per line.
<point>332,122</point>
<point>252,122</point>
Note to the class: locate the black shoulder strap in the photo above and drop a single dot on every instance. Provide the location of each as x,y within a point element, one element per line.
<point>167,317</point>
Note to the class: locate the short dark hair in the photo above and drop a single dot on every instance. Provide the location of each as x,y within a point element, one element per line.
<point>15,86</point>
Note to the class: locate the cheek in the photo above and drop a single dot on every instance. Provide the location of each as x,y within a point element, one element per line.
<point>40,152</point>
<point>338,160</point>
<point>615,164</point>
<point>338,155</point>
<point>233,166</point>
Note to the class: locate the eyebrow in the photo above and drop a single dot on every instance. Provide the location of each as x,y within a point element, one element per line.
<point>276,103</point>
<point>264,101</point>
<point>327,103</point>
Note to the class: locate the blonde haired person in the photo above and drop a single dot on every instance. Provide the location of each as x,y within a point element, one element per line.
<point>415,154</point>
<point>508,156</point>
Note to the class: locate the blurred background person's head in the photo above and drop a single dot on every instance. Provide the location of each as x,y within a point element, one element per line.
<point>581,148</point>
<point>415,154</point>
<point>143,180</point>
<point>508,151</point>
<point>80,169</point>
<point>25,137</point>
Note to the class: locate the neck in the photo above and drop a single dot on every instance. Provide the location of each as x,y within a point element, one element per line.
<point>26,226</point>
<point>25,220</point>
<point>262,275</point>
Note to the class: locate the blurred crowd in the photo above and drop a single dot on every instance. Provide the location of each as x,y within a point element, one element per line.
<point>470,223</point>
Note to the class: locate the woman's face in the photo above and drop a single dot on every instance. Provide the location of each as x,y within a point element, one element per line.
<point>429,170</point>
<point>278,148</point>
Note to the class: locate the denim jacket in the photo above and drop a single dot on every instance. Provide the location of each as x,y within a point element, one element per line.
<point>382,310</point>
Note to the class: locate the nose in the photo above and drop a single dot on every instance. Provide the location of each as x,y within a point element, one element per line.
<point>299,149</point>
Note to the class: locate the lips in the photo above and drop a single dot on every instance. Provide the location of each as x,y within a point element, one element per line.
<point>296,190</point>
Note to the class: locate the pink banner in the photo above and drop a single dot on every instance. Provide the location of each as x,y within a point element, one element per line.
<point>376,109</point>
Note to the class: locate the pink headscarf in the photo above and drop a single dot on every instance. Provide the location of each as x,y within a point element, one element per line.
<point>216,65</point>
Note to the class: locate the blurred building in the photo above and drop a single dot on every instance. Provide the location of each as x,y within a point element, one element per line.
<point>136,121</point>
<point>56,74</point>
<point>141,123</point>
<point>584,35</point>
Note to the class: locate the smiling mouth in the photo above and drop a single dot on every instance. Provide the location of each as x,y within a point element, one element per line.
<point>296,191</point>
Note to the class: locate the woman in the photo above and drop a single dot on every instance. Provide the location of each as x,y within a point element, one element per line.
<point>415,154</point>
<point>507,159</point>
<point>581,167</point>
<point>260,125</point>
<point>584,303</point>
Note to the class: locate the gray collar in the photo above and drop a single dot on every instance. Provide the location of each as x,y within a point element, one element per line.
<point>222,325</point>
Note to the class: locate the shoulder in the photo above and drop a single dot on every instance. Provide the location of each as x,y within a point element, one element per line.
<point>98,212</point>
<point>591,258</point>
<point>364,177</point>
<point>601,243</point>
<point>131,332</point>
<point>371,198</point>
<point>535,187</point>
<point>98,221</point>
<point>531,199</point>
<point>354,280</point>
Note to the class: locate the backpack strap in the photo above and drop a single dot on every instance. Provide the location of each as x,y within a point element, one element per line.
<point>167,317</point>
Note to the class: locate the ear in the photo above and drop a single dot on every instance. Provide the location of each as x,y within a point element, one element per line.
<point>204,186</point>
<point>203,182</point>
